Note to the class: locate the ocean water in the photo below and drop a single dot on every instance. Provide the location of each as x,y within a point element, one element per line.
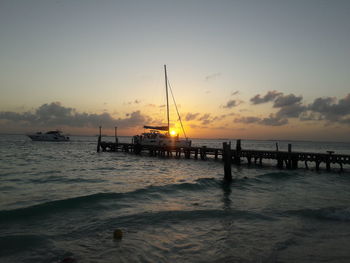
<point>63,201</point>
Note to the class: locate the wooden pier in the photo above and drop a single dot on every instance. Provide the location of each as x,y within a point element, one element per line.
<point>284,159</point>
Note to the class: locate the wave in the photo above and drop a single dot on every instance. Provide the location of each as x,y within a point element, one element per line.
<point>279,175</point>
<point>52,206</point>
<point>326,213</point>
<point>12,244</point>
<point>285,244</point>
<point>62,179</point>
<point>93,200</point>
<point>175,216</point>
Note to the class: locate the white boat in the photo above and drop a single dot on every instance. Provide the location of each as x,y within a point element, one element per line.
<point>162,135</point>
<point>50,136</point>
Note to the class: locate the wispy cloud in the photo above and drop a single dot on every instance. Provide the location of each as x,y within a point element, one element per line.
<point>205,119</point>
<point>231,104</point>
<point>191,116</point>
<point>268,121</point>
<point>136,101</point>
<point>212,76</point>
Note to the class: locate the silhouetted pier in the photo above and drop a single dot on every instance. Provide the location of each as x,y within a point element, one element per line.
<point>284,159</point>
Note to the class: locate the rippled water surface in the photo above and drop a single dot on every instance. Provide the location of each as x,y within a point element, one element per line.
<point>64,200</point>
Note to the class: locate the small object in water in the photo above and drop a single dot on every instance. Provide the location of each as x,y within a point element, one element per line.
<point>118,234</point>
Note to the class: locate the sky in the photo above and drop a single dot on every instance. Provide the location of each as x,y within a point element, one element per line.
<point>238,69</point>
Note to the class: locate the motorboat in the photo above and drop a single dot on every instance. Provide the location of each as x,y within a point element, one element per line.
<point>50,136</point>
<point>163,135</point>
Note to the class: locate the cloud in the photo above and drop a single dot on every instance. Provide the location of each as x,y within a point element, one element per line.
<point>322,105</point>
<point>136,101</point>
<point>290,106</point>
<point>134,119</point>
<point>278,98</point>
<point>54,114</point>
<point>191,116</point>
<point>205,119</point>
<point>223,116</point>
<point>291,111</point>
<point>269,121</point>
<point>248,120</point>
<point>269,96</point>
<point>273,121</point>
<point>231,103</point>
<point>329,109</point>
<point>332,110</point>
<point>287,100</point>
<point>212,76</point>
<point>329,106</point>
<point>310,116</point>
<point>16,117</point>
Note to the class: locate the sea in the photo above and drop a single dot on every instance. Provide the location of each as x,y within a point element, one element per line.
<point>63,202</point>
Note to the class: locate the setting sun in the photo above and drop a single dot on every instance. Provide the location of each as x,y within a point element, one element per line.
<point>172,132</point>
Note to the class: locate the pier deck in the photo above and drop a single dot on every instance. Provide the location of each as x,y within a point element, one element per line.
<point>284,159</point>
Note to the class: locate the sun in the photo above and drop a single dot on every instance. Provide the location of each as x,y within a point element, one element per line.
<point>172,132</point>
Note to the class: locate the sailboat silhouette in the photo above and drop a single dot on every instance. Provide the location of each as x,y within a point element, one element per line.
<point>160,135</point>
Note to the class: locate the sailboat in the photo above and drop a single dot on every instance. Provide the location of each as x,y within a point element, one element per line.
<point>161,135</point>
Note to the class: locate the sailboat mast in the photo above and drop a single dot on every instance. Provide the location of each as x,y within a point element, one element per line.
<point>167,100</point>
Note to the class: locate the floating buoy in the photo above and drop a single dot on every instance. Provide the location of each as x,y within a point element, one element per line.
<point>118,234</point>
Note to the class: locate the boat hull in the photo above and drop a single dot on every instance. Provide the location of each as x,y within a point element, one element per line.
<point>163,142</point>
<point>48,137</point>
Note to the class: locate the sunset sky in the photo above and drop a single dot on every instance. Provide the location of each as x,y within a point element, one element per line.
<point>238,69</point>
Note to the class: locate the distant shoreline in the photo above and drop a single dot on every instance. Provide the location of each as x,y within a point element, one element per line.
<point>220,139</point>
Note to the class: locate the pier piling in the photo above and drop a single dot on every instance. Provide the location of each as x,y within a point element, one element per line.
<point>99,141</point>
<point>116,135</point>
<point>227,161</point>
<point>289,161</point>
<point>237,156</point>
<point>203,152</point>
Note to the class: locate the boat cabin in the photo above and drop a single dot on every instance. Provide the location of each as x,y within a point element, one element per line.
<point>155,138</point>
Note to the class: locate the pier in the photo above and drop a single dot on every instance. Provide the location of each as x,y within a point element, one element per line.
<point>283,159</point>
